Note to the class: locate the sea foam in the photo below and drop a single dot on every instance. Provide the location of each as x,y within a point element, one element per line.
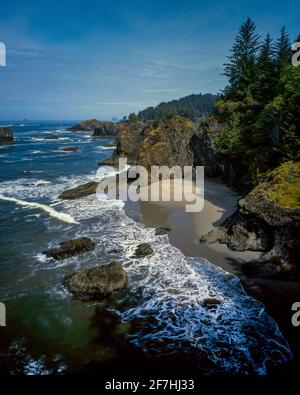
<point>49,210</point>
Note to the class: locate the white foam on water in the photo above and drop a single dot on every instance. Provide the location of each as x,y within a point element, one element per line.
<point>49,210</point>
<point>42,258</point>
<point>35,152</point>
<point>42,182</point>
<point>103,147</point>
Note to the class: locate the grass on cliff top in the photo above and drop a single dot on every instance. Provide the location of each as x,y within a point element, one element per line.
<point>282,185</point>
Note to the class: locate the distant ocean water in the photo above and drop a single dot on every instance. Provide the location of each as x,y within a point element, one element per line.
<point>162,310</point>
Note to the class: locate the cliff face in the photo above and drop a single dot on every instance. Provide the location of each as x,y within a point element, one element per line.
<point>267,219</point>
<point>167,143</point>
<point>99,128</point>
<point>203,148</point>
<point>156,143</point>
<point>6,136</point>
<point>128,143</point>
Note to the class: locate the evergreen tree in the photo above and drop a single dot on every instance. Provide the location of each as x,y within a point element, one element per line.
<point>283,49</point>
<point>240,70</point>
<point>265,82</point>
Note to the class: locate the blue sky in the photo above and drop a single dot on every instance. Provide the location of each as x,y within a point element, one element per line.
<point>82,59</point>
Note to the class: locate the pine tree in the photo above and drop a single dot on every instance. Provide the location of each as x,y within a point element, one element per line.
<point>240,70</point>
<point>265,81</point>
<point>283,49</point>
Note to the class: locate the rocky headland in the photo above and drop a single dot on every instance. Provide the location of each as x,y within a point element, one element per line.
<point>99,129</point>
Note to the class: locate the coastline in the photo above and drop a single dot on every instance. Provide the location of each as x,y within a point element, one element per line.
<point>186,229</point>
<point>165,275</point>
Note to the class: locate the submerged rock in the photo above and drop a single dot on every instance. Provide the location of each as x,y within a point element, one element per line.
<point>83,190</point>
<point>51,138</point>
<point>143,250</point>
<point>96,282</point>
<point>6,136</point>
<point>71,248</point>
<point>161,230</point>
<point>210,303</point>
<point>69,149</point>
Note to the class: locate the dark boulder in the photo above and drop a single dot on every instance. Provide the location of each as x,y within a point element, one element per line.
<point>83,190</point>
<point>97,282</point>
<point>143,250</point>
<point>71,248</point>
<point>210,303</point>
<point>6,136</point>
<point>69,149</point>
<point>162,230</point>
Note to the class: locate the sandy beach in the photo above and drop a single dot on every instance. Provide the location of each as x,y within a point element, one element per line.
<point>187,228</point>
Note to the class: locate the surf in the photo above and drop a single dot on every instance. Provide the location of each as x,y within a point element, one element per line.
<point>49,210</point>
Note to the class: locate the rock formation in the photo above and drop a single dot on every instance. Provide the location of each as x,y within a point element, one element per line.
<point>155,143</point>
<point>100,129</point>
<point>6,136</point>
<point>71,248</point>
<point>96,282</point>
<point>267,219</point>
<point>83,190</point>
<point>69,149</point>
<point>143,250</point>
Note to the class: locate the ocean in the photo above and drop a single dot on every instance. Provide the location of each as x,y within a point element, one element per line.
<point>159,317</point>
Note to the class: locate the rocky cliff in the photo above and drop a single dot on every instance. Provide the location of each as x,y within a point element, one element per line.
<point>158,143</point>
<point>6,136</point>
<point>99,128</point>
<point>267,219</point>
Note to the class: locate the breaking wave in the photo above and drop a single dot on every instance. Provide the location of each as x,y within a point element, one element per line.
<point>49,210</point>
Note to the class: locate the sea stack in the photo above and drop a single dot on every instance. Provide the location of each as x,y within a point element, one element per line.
<point>6,136</point>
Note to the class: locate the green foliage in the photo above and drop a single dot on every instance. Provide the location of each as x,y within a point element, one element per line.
<point>229,141</point>
<point>283,49</point>
<point>282,185</point>
<point>240,69</point>
<point>261,106</point>
<point>192,107</point>
<point>132,117</point>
